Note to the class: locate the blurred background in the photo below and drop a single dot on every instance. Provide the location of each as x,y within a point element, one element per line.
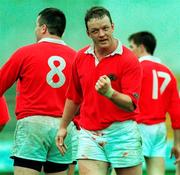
<point>17,23</point>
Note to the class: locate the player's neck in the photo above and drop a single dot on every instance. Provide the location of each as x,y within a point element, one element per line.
<point>144,54</point>
<point>51,36</point>
<point>102,52</point>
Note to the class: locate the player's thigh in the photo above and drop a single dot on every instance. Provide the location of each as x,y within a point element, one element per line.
<point>27,171</point>
<point>155,165</point>
<point>113,172</point>
<point>135,170</point>
<point>178,169</point>
<point>92,167</point>
<point>57,173</point>
<point>71,168</point>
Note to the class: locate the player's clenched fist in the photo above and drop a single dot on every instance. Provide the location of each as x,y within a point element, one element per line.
<point>103,86</point>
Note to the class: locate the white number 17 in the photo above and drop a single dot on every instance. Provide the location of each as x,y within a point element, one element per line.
<point>156,75</point>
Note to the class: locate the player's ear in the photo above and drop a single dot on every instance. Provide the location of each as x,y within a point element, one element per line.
<point>142,48</point>
<point>87,31</point>
<point>112,25</point>
<point>44,28</point>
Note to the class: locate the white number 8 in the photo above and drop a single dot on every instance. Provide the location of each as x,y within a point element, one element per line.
<point>56,71</point>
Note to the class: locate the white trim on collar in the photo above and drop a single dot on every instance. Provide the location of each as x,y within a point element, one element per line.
<point>150,58</point>
<point>52,40</point>
<point>118,50</point>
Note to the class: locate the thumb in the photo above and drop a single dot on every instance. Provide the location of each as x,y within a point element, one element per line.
<point>107,79</point>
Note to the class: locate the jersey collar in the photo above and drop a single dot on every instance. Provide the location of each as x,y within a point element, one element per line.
<point>118,50</point>
<point>150,58</point>
<point>52,40</point>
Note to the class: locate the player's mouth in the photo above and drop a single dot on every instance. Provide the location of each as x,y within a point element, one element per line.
<point>103,41</point>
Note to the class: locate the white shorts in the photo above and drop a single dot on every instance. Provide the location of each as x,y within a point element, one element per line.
<point>154,139</point>
<point>35,140</point>
<point>75,138</point>
<point>119,144</point>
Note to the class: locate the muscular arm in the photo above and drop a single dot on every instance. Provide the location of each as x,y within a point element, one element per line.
<point>70,110</point>
<point>123,101</point>
<point>10,71</point>
<point>103,87</point>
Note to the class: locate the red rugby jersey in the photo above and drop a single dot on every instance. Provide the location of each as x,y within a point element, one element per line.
<point>42,71</point>
<point>98,112</point>
<point>159,94</point>
<point>4,113</point>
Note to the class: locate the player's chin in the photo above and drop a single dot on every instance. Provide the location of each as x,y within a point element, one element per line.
<point>104,45</point>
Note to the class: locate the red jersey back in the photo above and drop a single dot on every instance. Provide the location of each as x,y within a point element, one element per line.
<point>4,114</point>
<point>159,95</point>
<point>43,72</point>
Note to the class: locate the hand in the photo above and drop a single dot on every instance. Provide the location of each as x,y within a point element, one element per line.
<point>103,86</point>
<point>176,152</point>
<point>60,137</point>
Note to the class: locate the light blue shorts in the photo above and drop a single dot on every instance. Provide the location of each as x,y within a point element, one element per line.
<point>119,144</point>
<point>35,140</point>
<point>75,139</point>
<point>154,139</point>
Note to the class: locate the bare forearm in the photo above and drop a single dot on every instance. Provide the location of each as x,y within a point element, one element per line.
<point>103,87</point>
<point>70,110</point>
<point>123,101</point>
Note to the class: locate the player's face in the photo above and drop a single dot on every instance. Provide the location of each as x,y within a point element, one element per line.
<point>136,49</point>
<point>100,30</point>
